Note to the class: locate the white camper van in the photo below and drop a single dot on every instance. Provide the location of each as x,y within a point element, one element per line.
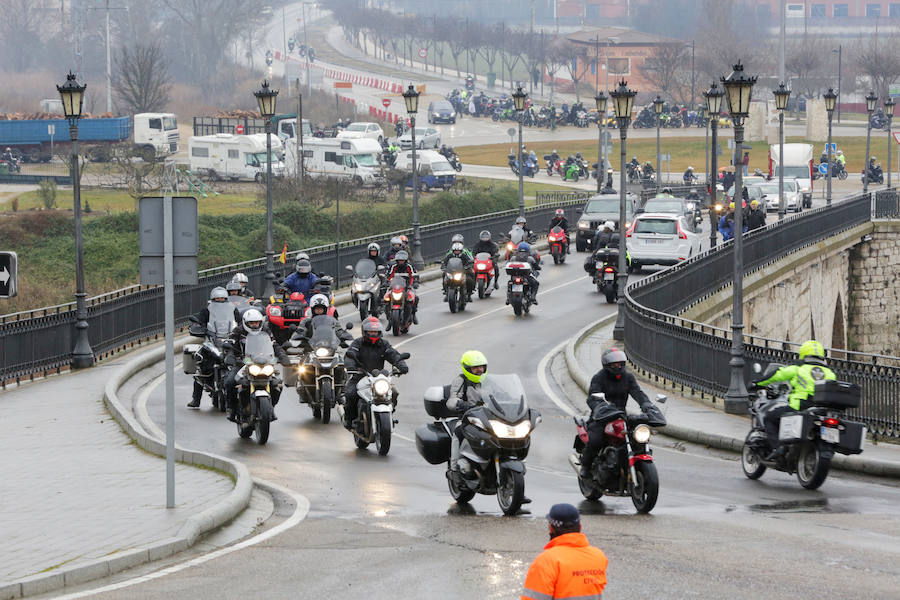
<point>355,159</point>
<point>227,156</point>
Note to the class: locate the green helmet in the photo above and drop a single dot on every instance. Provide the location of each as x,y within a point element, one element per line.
<point>473,358</point>
<point>811,348</point>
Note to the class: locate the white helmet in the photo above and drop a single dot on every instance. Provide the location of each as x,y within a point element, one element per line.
<point>255,317</point>
<point>318,300</point>
<point>302,256</point>
<point>241,278</point>
<point>609,225</point>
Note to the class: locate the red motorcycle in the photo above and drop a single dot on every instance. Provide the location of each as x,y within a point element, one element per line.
<point>282,312</point>
<point>558,242</point>
<point>400,298</point>
<point>484,274</point>
<point>552,166</point>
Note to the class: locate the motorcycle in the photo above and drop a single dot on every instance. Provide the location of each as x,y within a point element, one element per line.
<point>558,240</point>
<point>875,175</point>
<point>518,289</point>
<point>455,282</point>
<point>552,166</point>
<point>365,291</point>
<point>809,437</point>
<point>633,172</point>
<point>484,274</point>
<point>254,381</point>
<point>571,172</point>
<point>583,168</point>
<point>496,436</point>
<point>528,170</point>
<point>454,162</point>
<point>283,312</point>
<point>401,299</point>
<point>515,236</point>
<point>320,376</point>
<point>14,164</point>
<point>206,361</point>
<point>624,466</point>
<point>605,272</point>
<point>375,410</point>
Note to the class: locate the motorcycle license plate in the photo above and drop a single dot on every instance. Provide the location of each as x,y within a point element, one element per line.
<point>608,277</point>
<point>830,435</point>
<point>518,287</point>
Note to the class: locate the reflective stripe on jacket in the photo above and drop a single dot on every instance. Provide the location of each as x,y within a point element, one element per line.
<point>569,567</point>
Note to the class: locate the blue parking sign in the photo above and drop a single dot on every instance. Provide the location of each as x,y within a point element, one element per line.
<point>833,148</point>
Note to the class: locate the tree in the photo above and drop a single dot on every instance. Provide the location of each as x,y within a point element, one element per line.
<point>805,59</point>
<point>576,63</point>
<point>664,67</point>
<point>19,36</point>
<point>556,56</point>
<point>142,82</point>
<point>876,57</point>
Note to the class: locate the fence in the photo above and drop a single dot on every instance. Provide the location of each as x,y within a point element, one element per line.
<point>40,341</point>
<point>696,355</point>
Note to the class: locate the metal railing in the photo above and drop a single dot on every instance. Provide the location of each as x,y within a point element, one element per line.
<point>40,341</point>
<point>695,355</point>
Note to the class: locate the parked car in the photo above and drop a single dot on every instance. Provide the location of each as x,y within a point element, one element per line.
<point>660,239</point>
<point>683,207</point>
<point>426,137</point>
<point>597,210</point>
<point>363,129</point>
<point>441,111</point>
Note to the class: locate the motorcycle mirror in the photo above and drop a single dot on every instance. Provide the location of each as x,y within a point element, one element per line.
<point>661,398</point>
<point>380,269</point>
<point>348,326</point>
<point>757,368</point>
<point>293,328</point>
<point>404,356</point>
<point>349,268</point>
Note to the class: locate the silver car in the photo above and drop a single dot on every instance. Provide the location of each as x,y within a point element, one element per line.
<point>771,199</point>
<point>426,137</point>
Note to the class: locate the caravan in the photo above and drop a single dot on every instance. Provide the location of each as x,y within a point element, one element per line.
<point>355,159</point>
<point>227,156</point>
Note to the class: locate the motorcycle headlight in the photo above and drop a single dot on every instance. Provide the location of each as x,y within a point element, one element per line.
<point>255,370</point>
<point>358,287</point>
<point>627,225</point>
<point>381,387</point>
<point>481,267</point>
<point>584,224</point>
<point>457,276</point>
<point>690,205</point>
<point>274,311</point>
<point>396,295</point>
<point>641,434</point>
<point>502,430</point>
<point>323,352</point>
<point>551,238</point>
<point>804,189</point>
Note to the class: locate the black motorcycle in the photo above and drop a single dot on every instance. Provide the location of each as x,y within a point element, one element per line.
<point>496,436</point>
<point>206,361</point>
<point>321,375</point>
<point>255,382</point>
<point>455,282</point>
<point>874,174</point>
<point>518,289</point>
<point>604,272</point>
<point>808,438</point>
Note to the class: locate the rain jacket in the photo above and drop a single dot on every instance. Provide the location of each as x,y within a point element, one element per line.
<point>569,567</point>
<point>803,378</point>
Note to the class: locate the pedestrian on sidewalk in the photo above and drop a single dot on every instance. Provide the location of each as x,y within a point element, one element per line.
<point>569,567</point>
<point>746,163</point>
<point>757,217</point>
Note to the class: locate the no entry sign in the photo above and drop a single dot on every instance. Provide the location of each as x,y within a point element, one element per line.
<point>386,102</point>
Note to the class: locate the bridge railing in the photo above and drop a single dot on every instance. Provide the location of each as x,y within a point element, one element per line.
<point>696,355</point>
<point>40,341</point>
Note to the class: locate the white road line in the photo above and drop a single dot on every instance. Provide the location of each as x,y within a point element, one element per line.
<point>545,385</point>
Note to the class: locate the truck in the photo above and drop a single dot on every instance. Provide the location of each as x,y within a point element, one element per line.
<point>798,164</point>
<point>235,157</point>
<point>354,159</point>
<point>148,135</point>
<point>283,125</point>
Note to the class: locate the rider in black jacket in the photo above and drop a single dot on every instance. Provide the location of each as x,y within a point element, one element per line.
<point>559,220</point>
<point>485,244</point>
<point>252,323</point>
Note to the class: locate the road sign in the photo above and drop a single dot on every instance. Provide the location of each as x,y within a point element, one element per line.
<point>9,275</point>
<point>832,147</point>
<point>51,129</point>
<point>185,240</point>
<point>343,85</point>
<point>823,169</point>
<point>385,102</point>
<point>239,129</point>
<point>665,157</point>
<point>896,135</point>
<point>423,52</point>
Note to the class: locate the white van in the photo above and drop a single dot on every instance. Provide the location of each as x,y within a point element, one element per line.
<point>227,156</point>
<point>355,159</point>
<point>798,164</point>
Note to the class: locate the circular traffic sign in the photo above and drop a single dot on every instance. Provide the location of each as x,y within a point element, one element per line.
<point>823,169</point>
<point>385,102</point>
<point>239,129</point>
<point>423,52</point>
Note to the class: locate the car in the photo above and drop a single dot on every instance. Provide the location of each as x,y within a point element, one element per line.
<point>597,210</point>
<point>753,192</point>
<point>363,129</point>
<point>660,239</point>
<point>689,209</point>
<point>770,198</point>
<point>426,137</point>
<point>441,110</point>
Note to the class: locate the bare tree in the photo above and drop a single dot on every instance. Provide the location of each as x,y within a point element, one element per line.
<point>664,67</point>
<point>512,43</point>
<point>876,58</point>
<point>142,82</point>
<point>19,35</point>
<point>576,64</point>
<point>805,59</point>
<point>556,56</point>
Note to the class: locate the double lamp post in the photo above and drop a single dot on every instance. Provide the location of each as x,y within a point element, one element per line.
<point>713,98</point>
<point>411,98</point>
<point>623,100</point>
<point>266,97</point>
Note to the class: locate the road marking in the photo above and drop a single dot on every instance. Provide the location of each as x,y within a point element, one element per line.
<point>545,385</point>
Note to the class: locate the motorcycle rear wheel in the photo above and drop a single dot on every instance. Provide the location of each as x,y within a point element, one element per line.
<point>511,491</point>
<point>383,433</point>
<point>611,297</point>
<point>327,395</point>
<point>361,443</point>
<point>517,307</point>
<point>645,490</point>
<point>812,467</point>
<point>750,461</point>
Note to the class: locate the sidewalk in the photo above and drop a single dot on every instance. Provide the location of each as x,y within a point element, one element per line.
<point>702,422</point>
<point>78,496</point>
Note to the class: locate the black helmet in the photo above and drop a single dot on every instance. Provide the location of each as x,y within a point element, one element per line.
<point>613,360</point>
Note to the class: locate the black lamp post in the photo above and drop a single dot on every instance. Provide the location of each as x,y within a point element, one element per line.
<point>782,95</point>
<point>871,100</point>
<point>265,97</point>
<point>738,88</point>
<point>623,100</point>
<point>519,96</point>
<point>72,95</point>
<point>713,107</point>
<point>830,98</point>
<point>601,101</point>
<point>889,113</point>
<point>411,98</point>
<point>658,108</point>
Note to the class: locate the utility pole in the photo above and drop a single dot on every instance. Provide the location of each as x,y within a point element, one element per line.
<point>781,4</point>
<point>79,33</point>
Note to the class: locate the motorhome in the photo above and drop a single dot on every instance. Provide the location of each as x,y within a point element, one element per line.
<point>355,159</point>
<point>227,156</point>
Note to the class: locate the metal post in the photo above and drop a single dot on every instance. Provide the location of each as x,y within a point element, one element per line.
<point>306,43</point>
<point>82,355</point>
<point>619,328</point>
<point>299,133</point>
<point>840,51</point>
<point>658,170</point>
<point>108,67</point>
<point>600,170</point>
<point>737,396</point>
<point>521,166</point>
<point>889,120</point>
<point>270,267</point>
<point>828,172</point>
<point>713,193</point>
<point>692,74</point>
<point>418,261</point>
<point>866,165</point>
<point>337,242</point>
<point>169,308</point>
<point>782,201</point>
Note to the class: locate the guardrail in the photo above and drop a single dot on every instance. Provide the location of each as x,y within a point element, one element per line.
<point>28,179</point>
<point>696,355</point>
<point>40,341</point>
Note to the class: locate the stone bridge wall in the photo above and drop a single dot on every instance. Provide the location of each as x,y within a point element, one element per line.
<point>874,323</point>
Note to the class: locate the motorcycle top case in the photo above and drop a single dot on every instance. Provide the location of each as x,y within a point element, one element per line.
<point>837,394</point>
<point>187,361</point>
<point>433,443</point>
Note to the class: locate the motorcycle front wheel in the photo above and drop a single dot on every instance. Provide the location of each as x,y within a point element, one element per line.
<point>481,284</point>
<point>395,322</point>
<point>460,493</point>
<point>451,300</point>
<point>363,311</point>
<point>261,429</point>
<point>326,394</point>
<point>511,491</point>
<point>588,490</point>
<point>383,433</point>
<point>750,461</point>
<point>812,467</point>
<point>645,488</point>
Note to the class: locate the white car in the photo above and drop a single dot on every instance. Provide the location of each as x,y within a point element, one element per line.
<point>792,196</point>
<point>660,239</point>
<point>426,137</point>
<point>363,129</point>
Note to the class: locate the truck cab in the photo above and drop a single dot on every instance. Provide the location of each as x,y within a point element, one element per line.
<point>155,135</point>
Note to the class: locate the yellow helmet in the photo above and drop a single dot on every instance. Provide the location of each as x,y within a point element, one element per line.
<point>811,348</point>
<point>731,206</point>
<point>473,358</point>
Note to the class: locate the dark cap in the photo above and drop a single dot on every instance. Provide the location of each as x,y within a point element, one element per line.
<point>563,516</point>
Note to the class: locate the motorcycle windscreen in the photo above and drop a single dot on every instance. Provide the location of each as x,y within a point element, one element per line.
<point>221,319</point>
<point>323,334</point>
<point>398,282</point>
<point>504,396</point>
<point>556,230</point>
<point>483,256</point>
<point>258,347</point>
<point>455,265</point>
<point>364,269</point>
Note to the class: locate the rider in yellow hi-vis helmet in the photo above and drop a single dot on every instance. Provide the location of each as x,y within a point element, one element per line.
<point>474,365</point>
<point>465,392</point>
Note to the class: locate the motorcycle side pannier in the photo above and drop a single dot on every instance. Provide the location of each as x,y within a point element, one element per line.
<point>837,395</point>
<point>187,361</point>
<point>433,443</point>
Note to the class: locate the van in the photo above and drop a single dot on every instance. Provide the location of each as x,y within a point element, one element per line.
<point>435,170</point>
<point>798,164</point>
<point>354,158</point>
<point>235,157</point>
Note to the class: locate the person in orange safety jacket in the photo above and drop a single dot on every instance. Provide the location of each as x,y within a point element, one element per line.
<point>569,567</point>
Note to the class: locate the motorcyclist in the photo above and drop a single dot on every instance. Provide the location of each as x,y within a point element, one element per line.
<point>523,254</point>
<point>367,353</point>
<point>465,393</point>
<point>403,268</point>
<point>243,280</point>
<point>648,170</point>
<point>373,252</point>
<point>7,156</point>
<point>757,217</point>
<point>220,296</point>
<point>689,176</point>
<point>458,250</point>
<point>486,244</point>
<point>559,220</point>
<point>606,237</point>
<point>318,305</point>
<point>839,156</point>
<point>803,378</point>
<point>233,288</point>
<point>554,157</point>
<point>521,222</point>
<point>391,252</point>
<point>635,164</point>
<point>302,279</point>
<point>252,323</point>
<point>616,383</point>
<point>666,192</point>
<point>609,179</point>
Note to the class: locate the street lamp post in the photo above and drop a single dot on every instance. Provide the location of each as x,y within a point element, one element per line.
<point>519,96</point>
<point>738,88</point>
<point>265,97</point>
<point>889,113</point>
<point>839,50</point>
<point>623,100</point>
<point>782,95</point>
<point>658,108</point>
<point>72,95</point>
<point>601,101</point>
<point>411,98</point>
<point>871,99</point>
<point>713,106</point>
<point>830,98</point>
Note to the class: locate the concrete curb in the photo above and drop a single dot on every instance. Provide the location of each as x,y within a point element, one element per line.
<point>856,463</point>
